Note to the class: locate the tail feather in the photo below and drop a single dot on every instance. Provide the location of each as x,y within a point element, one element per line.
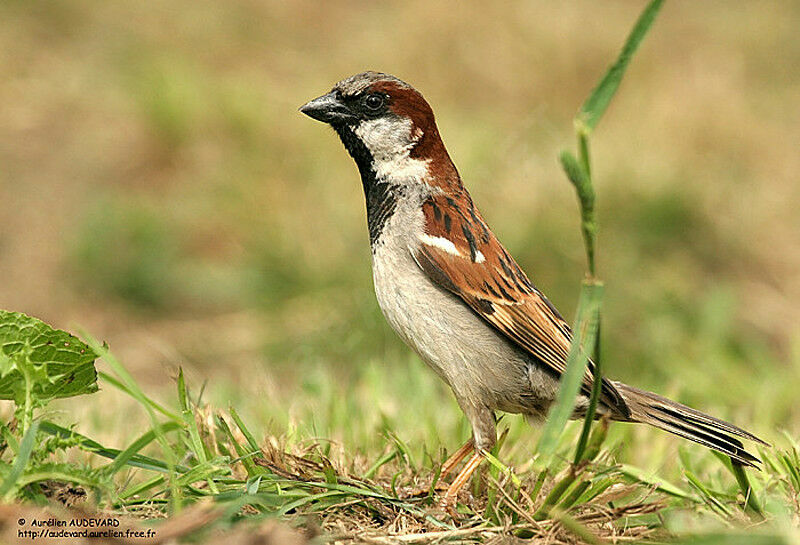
<point>665,414</point>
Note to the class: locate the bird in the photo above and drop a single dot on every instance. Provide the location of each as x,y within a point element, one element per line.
<point>453,293</point>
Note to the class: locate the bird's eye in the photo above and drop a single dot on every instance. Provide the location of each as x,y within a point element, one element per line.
<point>374,102</point>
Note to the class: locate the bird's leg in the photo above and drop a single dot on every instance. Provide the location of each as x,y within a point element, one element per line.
<point>449,500</point>
<point>455,459</point>
<point>484,437</point>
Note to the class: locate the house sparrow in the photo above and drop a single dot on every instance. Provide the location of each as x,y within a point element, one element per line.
<point>453,293</point>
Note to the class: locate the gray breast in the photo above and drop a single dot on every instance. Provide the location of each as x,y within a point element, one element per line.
<point>479,364</point>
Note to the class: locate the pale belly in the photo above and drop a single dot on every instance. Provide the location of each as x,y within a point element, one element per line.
<point>480,365</point>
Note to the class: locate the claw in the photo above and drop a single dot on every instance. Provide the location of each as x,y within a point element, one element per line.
<point>448,504</point>
<point>450,497</point>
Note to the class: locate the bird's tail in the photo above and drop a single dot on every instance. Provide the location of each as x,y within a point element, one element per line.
<point>665,414</point>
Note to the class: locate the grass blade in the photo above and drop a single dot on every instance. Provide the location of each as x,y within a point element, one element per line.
<point>750,501</point>
<point>661,485</point>
<point>152,403</point>
<point>10,484</point>
<point>136,392</point>
<point>199,449</point>
<point>380,462</point>
<point>585,331</point>
<point>595,106</point>
<point>89,445</point>
<point>141,487</point>
<point>251,440</point>
<point>244,456</point>
<point>124,457</point>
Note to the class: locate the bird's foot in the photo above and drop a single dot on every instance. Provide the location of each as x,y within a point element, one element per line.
<point>448,505</point>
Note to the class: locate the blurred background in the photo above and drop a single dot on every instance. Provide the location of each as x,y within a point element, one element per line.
<point>160,191</point>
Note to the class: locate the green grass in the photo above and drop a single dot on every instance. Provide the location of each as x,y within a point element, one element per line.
<point>192,452</point>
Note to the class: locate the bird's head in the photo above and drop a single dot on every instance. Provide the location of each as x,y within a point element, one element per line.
<point>386,125</point>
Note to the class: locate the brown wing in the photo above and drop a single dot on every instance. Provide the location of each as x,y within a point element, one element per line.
<point>461,254</point>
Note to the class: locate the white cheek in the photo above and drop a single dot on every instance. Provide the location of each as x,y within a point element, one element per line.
<point>385,137</point>
<point>390,142</point>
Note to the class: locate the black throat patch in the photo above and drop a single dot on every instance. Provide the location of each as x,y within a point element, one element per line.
<point>381,197</point>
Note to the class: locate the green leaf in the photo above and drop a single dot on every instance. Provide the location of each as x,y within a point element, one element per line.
<point>585,331</point>
<point>595,106</point>
<point>6,364</point>
<point>43,362</point>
